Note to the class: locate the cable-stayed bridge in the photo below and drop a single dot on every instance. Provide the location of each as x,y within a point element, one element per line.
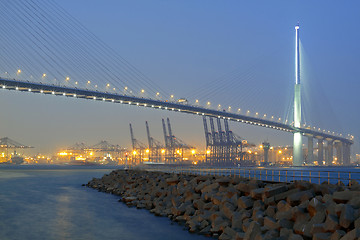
<point>45,50</point>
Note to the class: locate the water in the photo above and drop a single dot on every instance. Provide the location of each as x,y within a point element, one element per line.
<point>48,202</point>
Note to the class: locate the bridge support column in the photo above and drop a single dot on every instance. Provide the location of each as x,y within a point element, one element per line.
<point>330,152</point>
<point>297,150</point>
<point>320,151</point>
<point>346,153</point>
<point>339,155</point>
<point>310,156</point>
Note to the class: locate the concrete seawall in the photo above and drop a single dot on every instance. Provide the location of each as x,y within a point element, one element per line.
<point>239,208</point>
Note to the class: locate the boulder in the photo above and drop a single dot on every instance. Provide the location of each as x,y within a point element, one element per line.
<point>338,234</point>
<point>270,223</point>
<point>245,202</point>
<point>172,181</point>
<point>357,223</point>
<point>284,223</point>
<point>352,235</point>
<point>346,216</point>
<point>236,221</point>
<point>342,197</point>
<point>299,227</point>
<point>257,193</point>
<point>239,236</point>
<point>284,195</point>
<point>317,228</point>
<point>271,234</point>
<point>129,199</point>
<point>271,211</point>
<point>295,237</point>
<point>355,202</point>
<point>243,187</point>
<point>210,188</point>
<point>296,198</point>
<point>322,236</point>
<point>331,224</point>
<point>227,209</point>
<point>274,190</point>
<point>224,181</point>
<point>253,230</point>
<point>315,206</point>
<point>283,206</point>
<point>198,204</point>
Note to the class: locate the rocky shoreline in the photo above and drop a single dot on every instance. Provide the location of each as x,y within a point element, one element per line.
<point>239,208</point>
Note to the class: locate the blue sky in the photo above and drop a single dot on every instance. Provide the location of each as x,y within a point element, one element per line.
<point>184,46</point>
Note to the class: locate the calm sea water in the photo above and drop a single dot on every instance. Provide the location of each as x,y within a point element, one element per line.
<point>48,202</point>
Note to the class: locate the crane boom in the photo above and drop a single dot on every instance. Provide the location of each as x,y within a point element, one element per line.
<point>133,141</point>
<point>165,134</point>
<point>148,135</point>
<point>170,133</point>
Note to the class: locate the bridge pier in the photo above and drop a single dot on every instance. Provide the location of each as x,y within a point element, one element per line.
<point>339,155</point>
<point>330,152</point>
<point>346,153</point>
<point>310,156</point>
<point>320,151</point>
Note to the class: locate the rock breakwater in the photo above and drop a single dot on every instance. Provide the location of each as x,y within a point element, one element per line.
<point>239,208</point>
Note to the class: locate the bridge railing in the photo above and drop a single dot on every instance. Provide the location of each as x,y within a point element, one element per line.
<point>270,174</point>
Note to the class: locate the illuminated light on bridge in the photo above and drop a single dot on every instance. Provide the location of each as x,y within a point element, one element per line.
<point>94,98</point>
<point>64,94</point>
<point>18,71</point>
<point>67,78</point>
<point>41,91</point>
<point>44,75</point>
<point>29,89</point>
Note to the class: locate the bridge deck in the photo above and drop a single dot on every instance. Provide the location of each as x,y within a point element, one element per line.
<point>12,84</point>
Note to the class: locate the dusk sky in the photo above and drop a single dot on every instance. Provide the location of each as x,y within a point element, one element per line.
<point>233,53</point>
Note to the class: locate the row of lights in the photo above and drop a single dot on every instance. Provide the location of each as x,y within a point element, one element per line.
<point>173,109</point>
<point>196,101</point>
